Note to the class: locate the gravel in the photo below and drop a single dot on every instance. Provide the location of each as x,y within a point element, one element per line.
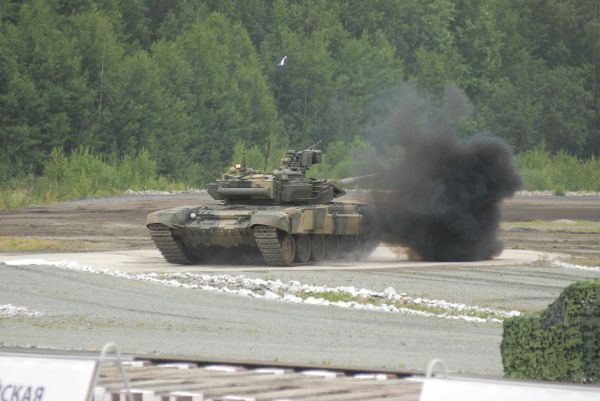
<point>81,310</point>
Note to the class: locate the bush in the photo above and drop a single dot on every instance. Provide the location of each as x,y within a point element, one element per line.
<point>83,174</point>
<point>561,343</point>
<point>559,172</point>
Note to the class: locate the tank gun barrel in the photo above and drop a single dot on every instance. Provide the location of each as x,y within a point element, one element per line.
<point>338,185</point>
<point>354,180</point>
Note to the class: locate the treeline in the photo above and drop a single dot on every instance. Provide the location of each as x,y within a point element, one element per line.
<point>191,82</point>
<point>559,172</point>
<point>83,174</point>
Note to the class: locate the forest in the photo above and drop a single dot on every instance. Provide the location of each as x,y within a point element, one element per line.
<point>180,88</point>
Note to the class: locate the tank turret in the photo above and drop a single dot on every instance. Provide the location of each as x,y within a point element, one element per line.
<point>288,184</point>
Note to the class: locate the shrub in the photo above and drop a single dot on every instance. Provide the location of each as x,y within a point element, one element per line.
<point>559,172</point>
<point>83,174</point>
<point>561,343</point>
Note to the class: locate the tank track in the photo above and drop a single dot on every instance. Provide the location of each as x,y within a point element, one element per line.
<point>167,245</point>
<point>269,246</point>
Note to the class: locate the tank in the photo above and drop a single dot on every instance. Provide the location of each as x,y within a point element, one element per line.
<point>281,218</point>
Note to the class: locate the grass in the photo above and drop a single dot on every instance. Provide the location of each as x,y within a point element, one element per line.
<point>75,323</point>
<point>83,174</point>
<point>559,172</point>
<point>436,310</point>
<point>331,296</point>
<point>586,226</point>
<point>450,312</point>
<point>584,261</point>
<point>25,244</point>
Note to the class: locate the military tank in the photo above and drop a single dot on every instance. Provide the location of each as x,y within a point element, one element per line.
<point>283,218</point>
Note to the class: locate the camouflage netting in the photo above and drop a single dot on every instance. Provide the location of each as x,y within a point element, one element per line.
<point>561,343</point>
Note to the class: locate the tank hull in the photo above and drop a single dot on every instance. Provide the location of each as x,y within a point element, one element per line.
<point>279,235</point>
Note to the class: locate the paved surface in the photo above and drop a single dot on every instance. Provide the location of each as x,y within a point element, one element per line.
<point>150,260</point>
<point>85,310</point>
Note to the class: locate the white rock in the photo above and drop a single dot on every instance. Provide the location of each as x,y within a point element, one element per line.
<point>292,298</point>
<point>316,301</point>
<point>271,295</point>
<point>389,293</point>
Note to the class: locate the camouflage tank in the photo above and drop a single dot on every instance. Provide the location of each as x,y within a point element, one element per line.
<point>283,217</point>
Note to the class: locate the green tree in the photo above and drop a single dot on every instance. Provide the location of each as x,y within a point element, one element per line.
<point>214,70</point>
<point>550,106</point>
<point>132,109</point>
<point>102,55</point>
<point>44,100</point>
<point>480,44</point>
<point>365,68</point>
<point>136,21</point>
<point>308,34</point>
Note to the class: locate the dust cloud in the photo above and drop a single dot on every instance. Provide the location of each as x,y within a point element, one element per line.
<point>437,193</point>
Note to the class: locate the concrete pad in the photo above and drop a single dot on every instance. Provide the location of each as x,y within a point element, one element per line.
<point>150,260</point>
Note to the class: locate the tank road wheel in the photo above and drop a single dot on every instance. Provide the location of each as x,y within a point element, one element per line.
<point>347,247</point>
<point>317,245</point>
<point>360,247</point>
<point>288,248</point>
<point>302,248</point>
<point>332,246</point>
<point>171,248</point>
<point>277,247</point>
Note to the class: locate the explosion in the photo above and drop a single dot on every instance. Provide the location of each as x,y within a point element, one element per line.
<point>441,193</point>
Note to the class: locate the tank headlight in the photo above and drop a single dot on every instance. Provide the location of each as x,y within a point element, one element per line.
<point>193,215</point>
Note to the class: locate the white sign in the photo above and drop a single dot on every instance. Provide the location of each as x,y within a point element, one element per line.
<point>500,390</point>
<point>39,378</point>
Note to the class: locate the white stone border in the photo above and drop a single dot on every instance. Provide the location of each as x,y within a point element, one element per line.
<point>275,290</point>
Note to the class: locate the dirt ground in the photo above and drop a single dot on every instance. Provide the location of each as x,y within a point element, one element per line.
<point>119,222</point>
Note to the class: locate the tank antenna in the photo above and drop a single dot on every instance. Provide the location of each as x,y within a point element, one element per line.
<point>315,145</point>
<point>267,154</point>
<point>243,169</point>
<point>280,66</point>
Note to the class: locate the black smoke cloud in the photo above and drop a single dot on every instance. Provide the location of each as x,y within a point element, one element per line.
<point>439,194</point>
